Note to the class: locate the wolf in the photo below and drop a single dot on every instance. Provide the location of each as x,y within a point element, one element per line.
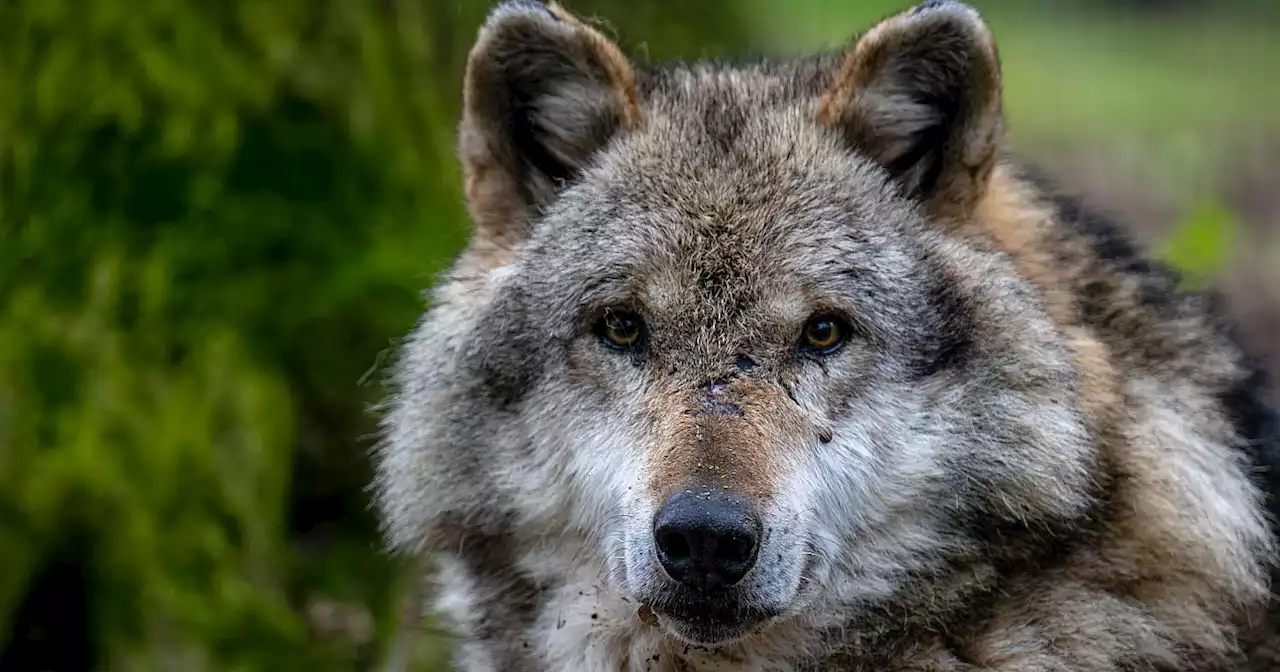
<point>792,365</point>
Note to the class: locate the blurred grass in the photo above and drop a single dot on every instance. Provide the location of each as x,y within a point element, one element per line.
<point>1201,244</point>
<point>1107,76</point>
<point>216,219</point>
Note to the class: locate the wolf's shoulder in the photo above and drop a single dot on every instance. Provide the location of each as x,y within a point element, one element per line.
<point>1153,323</point>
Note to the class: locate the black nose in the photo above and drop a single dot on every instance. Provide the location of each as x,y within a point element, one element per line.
<point>707,539</point>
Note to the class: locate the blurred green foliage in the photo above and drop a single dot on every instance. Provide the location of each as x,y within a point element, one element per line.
<point>1201,244</point>
<point>216,219</point>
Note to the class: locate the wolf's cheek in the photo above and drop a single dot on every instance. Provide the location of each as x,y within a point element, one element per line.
<point>581,461</point>
<point>865,502</point>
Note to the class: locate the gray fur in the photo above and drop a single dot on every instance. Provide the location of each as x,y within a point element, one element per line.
<point>1031,453</point>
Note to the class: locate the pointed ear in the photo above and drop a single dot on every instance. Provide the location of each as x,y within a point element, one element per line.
<point>543,93</point>
<point>920,94</point>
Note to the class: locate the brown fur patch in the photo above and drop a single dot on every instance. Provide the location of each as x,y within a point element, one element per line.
<point>1009,217</point>
<point>725,435</point>
<point>856,71</point>
<point>487,190</point>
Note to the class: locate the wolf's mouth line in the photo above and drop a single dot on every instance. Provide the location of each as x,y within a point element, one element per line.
<point>708,633</point>
<point>708,615</point>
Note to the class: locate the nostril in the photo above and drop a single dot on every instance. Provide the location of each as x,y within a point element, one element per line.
<point>739,549</point>
<point>674,545</point>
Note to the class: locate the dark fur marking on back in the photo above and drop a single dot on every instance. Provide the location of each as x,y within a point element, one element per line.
<point>1259,426</point>
<point>1112,245</point>
<point>1255,422</point>
<point>1120,315</point>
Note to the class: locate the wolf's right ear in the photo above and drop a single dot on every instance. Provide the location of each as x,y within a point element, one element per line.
<point>920,94</point>
<point>543,93</point>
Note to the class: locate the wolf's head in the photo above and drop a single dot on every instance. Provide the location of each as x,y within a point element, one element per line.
<point>712,344</point>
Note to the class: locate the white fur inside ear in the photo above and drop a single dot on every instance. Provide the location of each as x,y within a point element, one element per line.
<point>568,120</point>
<point>919,93</point>
<point>896,119</point>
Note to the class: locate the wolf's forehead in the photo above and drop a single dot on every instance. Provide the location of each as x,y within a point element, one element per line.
<point>725,195</point>
<point>742,146</point>
<point>732,200</point>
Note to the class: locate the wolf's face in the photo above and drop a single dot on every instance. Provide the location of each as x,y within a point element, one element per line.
<point>769,381</point>
<point>711,342</point>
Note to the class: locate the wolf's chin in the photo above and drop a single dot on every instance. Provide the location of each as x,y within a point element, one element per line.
<point>711,626</point>
<point>711,634</point>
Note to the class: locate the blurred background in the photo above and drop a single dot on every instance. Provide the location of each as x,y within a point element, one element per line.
<point>216,219</point>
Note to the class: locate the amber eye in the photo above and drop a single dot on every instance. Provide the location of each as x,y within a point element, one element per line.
<point>823,334</point>
<point>620,328</point>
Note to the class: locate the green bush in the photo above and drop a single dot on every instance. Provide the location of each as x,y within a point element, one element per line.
<point>215,220</point>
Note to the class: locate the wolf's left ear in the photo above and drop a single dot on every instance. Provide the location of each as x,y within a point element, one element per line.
<point>920,94</point>
<point>543,93</point>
